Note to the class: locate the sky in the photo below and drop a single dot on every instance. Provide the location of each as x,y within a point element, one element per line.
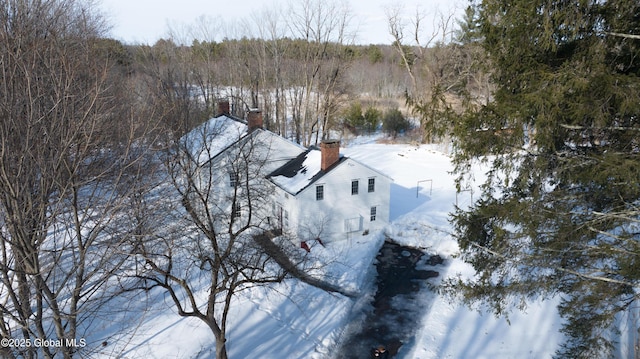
<point>146,21</point>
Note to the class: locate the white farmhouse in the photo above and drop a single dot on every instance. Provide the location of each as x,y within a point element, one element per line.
<point>309,194</point>
<point>324,195</point>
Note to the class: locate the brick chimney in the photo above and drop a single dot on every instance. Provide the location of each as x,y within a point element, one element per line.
<point>330,153</point>
<point>254,119</point>
<point>223,107</point>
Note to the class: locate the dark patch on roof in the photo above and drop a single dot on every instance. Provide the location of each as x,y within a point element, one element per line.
<point>293,167</point>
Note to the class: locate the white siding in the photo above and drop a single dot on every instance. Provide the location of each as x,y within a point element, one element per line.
<point>340,214</point>
<point>262,152</point>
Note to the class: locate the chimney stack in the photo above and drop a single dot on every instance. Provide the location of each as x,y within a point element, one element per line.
<point>254,119</point>
<point>223,107</point>
<point>330,153</point>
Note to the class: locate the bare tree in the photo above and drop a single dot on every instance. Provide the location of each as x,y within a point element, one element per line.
<point>66,149</point>
<point>271,52</point>
<point>172,75</point>
<point>202,60</point>
<point>324,28</point>
<point>218,204</point>
<point>438,68</point>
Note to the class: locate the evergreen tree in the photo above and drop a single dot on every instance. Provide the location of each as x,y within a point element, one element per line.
<point>353,116</point>
<point>468,28</point>
<point>394,123</point>
<point>559,214</point>
<point>372,118</point>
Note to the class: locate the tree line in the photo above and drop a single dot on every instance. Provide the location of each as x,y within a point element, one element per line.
<point>92,168</point>
<point>305,90</point>
<point>90,130</point>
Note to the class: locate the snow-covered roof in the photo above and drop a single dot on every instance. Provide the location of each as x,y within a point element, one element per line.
<point>220,133</point>
<point>214,136</point>
<point>301,172</point>
<point>294,168</point>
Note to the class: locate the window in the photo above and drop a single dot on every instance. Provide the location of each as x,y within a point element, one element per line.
<point>279,215</point>
<point>237,210</point>
<point>374,211</point>
<point>319,192</point>
<point>233,179</point>
<point>372,185</point>
<point>354,187</point>
<point>353,224</point>
<point>286,219</point>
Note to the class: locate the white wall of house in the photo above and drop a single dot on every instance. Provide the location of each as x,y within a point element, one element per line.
<point>340,214</point>
<point>250,159</point>
<point>344,211</point>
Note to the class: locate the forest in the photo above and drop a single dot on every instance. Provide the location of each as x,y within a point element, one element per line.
<point>307,90</point>
<point>89,126</point>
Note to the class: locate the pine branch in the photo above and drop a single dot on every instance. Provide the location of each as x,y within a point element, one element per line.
<point>628,36</point>
<point>565,270</point>
<point>610,128</point>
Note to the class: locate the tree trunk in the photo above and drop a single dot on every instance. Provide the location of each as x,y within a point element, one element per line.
<point>221,347</point>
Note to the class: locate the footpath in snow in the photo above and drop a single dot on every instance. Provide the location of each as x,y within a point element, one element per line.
<point>422,197</point>
<point>295,320</point>
<point>401,282</point>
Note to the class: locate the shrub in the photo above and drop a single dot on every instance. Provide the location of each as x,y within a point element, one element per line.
<point>372,118</point>
<point>394,123</point>
<point>353,118</point>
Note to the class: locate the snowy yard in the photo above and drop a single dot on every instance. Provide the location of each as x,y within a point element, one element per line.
<point>294,320</point>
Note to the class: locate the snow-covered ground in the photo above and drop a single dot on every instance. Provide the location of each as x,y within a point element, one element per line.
<point>294,320</point>
<point>451,330</point>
